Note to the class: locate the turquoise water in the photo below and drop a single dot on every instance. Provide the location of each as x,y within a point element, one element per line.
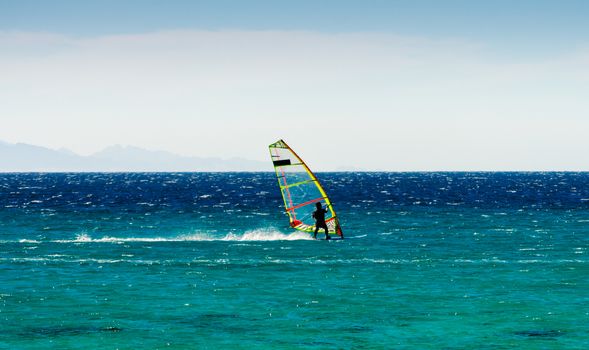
<point>206,260</point>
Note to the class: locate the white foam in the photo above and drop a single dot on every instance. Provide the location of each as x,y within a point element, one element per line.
<point>252,235</point>
<point>267,235</point>
<point>27,241</point>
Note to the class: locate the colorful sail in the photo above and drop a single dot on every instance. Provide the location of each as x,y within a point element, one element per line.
<point>301,191</point>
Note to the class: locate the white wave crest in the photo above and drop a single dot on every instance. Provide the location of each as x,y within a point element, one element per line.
<point>252,235</point>
<point>32,241</point>
<point>28,241</point>
<point>267,235</point>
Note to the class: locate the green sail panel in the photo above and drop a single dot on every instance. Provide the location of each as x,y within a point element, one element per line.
<point>301,190</point>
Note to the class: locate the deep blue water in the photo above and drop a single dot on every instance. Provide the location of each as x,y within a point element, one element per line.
<point>207,260</point>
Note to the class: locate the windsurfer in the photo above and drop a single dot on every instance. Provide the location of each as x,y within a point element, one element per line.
<point>319,216</point>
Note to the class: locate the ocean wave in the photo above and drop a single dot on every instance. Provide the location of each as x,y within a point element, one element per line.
<point>28,241</point>
<point>51,259</point>
<point>267,235</point>
<point>72,260</point>
<point>251,235</point>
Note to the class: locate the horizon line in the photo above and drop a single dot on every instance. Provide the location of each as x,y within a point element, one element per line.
<point>270,171</point>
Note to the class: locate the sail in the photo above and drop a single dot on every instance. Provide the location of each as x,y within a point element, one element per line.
<point>301,190</point>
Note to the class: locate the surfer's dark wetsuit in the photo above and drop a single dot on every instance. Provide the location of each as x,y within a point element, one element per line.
<point>319,216</point>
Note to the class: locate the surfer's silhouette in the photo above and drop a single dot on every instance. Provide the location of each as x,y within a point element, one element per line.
<point>319,216</point>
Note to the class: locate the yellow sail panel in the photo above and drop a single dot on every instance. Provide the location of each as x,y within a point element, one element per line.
<point>301,191</point>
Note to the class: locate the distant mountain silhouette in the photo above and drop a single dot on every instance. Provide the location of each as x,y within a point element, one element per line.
<point>23,157</point>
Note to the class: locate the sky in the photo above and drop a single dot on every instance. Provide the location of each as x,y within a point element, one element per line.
<point>367,85</point>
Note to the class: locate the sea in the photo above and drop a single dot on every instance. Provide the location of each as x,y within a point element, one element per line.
<point>433,260</point>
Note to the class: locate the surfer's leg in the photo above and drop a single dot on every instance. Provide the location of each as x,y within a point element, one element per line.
<point>326,232</point>
<point>315,234</point>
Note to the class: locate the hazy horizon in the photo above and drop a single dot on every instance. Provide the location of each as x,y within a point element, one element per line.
<point>377,85</point>
<point>129,158</point>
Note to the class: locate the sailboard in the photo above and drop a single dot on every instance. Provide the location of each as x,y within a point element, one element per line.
<point>301,190</point>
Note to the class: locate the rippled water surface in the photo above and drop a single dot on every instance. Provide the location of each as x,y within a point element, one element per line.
<point>206,260</point>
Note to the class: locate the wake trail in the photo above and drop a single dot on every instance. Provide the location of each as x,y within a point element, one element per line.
<point>252,235</point>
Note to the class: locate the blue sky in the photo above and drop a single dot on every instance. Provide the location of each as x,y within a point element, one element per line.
<point>526,22</point>
<point>435,85</point>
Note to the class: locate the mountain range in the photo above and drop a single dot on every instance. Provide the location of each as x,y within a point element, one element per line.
<point>21,157</point>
